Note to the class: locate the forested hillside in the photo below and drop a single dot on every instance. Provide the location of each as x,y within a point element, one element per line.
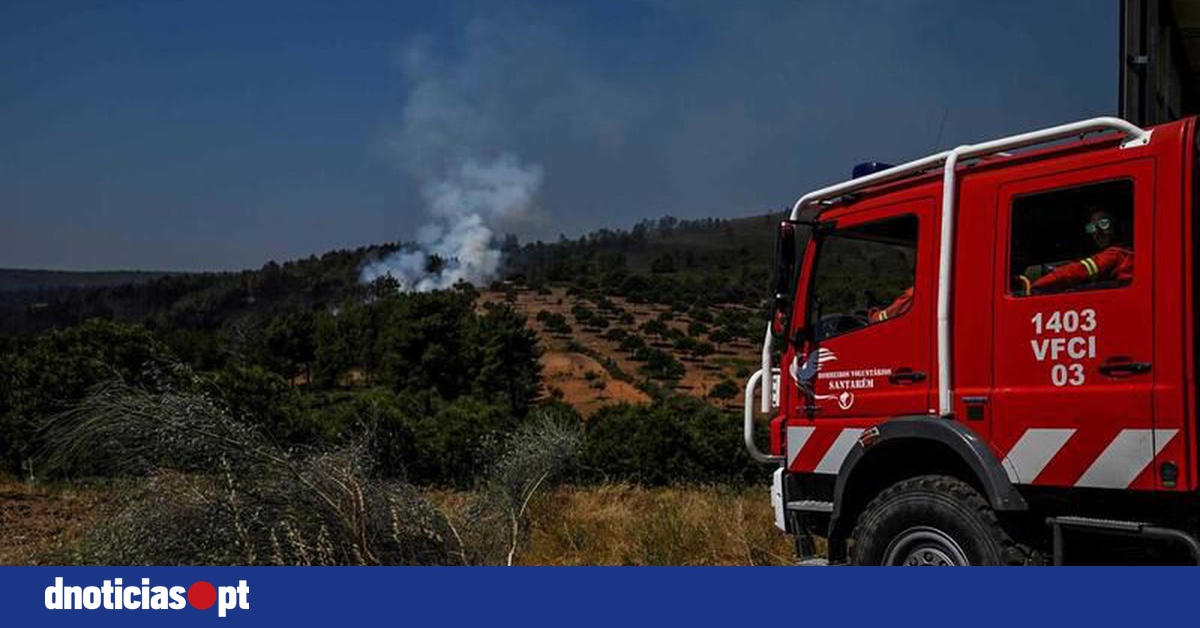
<point>303,347</point>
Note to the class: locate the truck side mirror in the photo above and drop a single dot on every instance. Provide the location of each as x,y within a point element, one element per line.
<point>785,279</point>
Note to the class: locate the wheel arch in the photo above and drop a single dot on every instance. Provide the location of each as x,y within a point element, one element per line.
<point>908,447</point>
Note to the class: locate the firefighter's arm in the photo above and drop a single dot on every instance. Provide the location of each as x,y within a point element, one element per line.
<point>1065,276</point>
<point>898,307</point>
<point>1108,261</point>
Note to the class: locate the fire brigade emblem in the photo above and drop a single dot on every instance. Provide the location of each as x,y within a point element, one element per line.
<point>804,373</point>
<point>844,400</point>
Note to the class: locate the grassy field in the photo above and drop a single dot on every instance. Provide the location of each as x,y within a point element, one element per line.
<point>39,525</point>
<point>628,525</point>
<point>605,525</point>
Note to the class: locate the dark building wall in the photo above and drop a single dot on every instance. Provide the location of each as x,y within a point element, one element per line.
<point>1156,78</point>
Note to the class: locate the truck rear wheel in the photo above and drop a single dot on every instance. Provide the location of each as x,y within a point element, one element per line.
<point>932,520</point>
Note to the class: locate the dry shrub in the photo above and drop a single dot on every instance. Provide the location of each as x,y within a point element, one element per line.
<point>496,522</point>
<point>217,491</point>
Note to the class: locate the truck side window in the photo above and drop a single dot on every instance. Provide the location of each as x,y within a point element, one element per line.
<point>1073,239</point>
<point>864,276</point>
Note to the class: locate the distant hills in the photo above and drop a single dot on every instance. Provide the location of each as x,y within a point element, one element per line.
<point>665,260</point>
<point>15,280</point>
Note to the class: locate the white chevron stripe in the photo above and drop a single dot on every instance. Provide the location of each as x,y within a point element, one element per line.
<point>831,462</point>
<point>796,438</point>
<point>1125,457</point>
<point>1033,451</point>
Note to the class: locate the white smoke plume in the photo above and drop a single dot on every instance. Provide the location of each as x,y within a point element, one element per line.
<point>464,208</point>
<point>470,188</point>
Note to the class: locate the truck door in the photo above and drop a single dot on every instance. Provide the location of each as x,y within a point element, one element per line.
<point>1074,329</point>
<point>870,306</point>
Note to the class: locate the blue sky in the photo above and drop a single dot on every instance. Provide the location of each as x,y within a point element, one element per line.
<point>221,135</point>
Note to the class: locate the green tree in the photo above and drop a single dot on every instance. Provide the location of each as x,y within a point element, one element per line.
<point>701,349</point>
<point>616,334</point>
<point>450,446</point>
<point>632,342</point>
<point>663,264</point>
<point>655,327</point>
<point>677,440</point>
<point>661,365</point>
<point>724,390</point>
<point>424,342</point>
<point>333,354</point>
<point>508,352</point>
<point>260,397</point>
<point>289,344</point>
<point>57,369</point>
<point>719,337</point>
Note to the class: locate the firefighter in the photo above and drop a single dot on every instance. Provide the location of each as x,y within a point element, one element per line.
<point>902,304</point>
<point>1113,262</point>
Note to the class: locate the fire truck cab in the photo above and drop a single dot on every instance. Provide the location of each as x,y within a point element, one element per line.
<point>987,355</point>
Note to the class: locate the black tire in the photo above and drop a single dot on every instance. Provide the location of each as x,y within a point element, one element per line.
<point>932,520</point>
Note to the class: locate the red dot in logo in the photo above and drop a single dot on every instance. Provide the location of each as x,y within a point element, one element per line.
<point>202,595</point>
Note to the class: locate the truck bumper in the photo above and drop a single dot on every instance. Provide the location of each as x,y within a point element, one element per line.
<point>777,499</point>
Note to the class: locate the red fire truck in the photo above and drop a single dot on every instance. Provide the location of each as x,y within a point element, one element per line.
<point>988,355</point>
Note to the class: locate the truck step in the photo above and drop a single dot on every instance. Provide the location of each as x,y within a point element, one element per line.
<point>810,505</point>
<point>1132,527</point>
<point>1124,528</point>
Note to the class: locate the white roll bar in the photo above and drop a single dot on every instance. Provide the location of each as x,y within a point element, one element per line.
<point>748,418</point>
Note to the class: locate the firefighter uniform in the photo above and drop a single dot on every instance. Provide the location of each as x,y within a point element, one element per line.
<point>1114,263</point>
<point>902,304</point>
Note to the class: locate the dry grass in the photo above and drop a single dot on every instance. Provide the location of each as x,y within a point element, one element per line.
<point>38,525</point>
<point>630,525</point>
<point>603,525</point>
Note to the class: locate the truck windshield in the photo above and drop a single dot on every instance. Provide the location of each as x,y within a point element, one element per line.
<point>864,276</point>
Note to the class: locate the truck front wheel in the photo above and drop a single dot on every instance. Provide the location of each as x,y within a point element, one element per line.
<point>932,520</point>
